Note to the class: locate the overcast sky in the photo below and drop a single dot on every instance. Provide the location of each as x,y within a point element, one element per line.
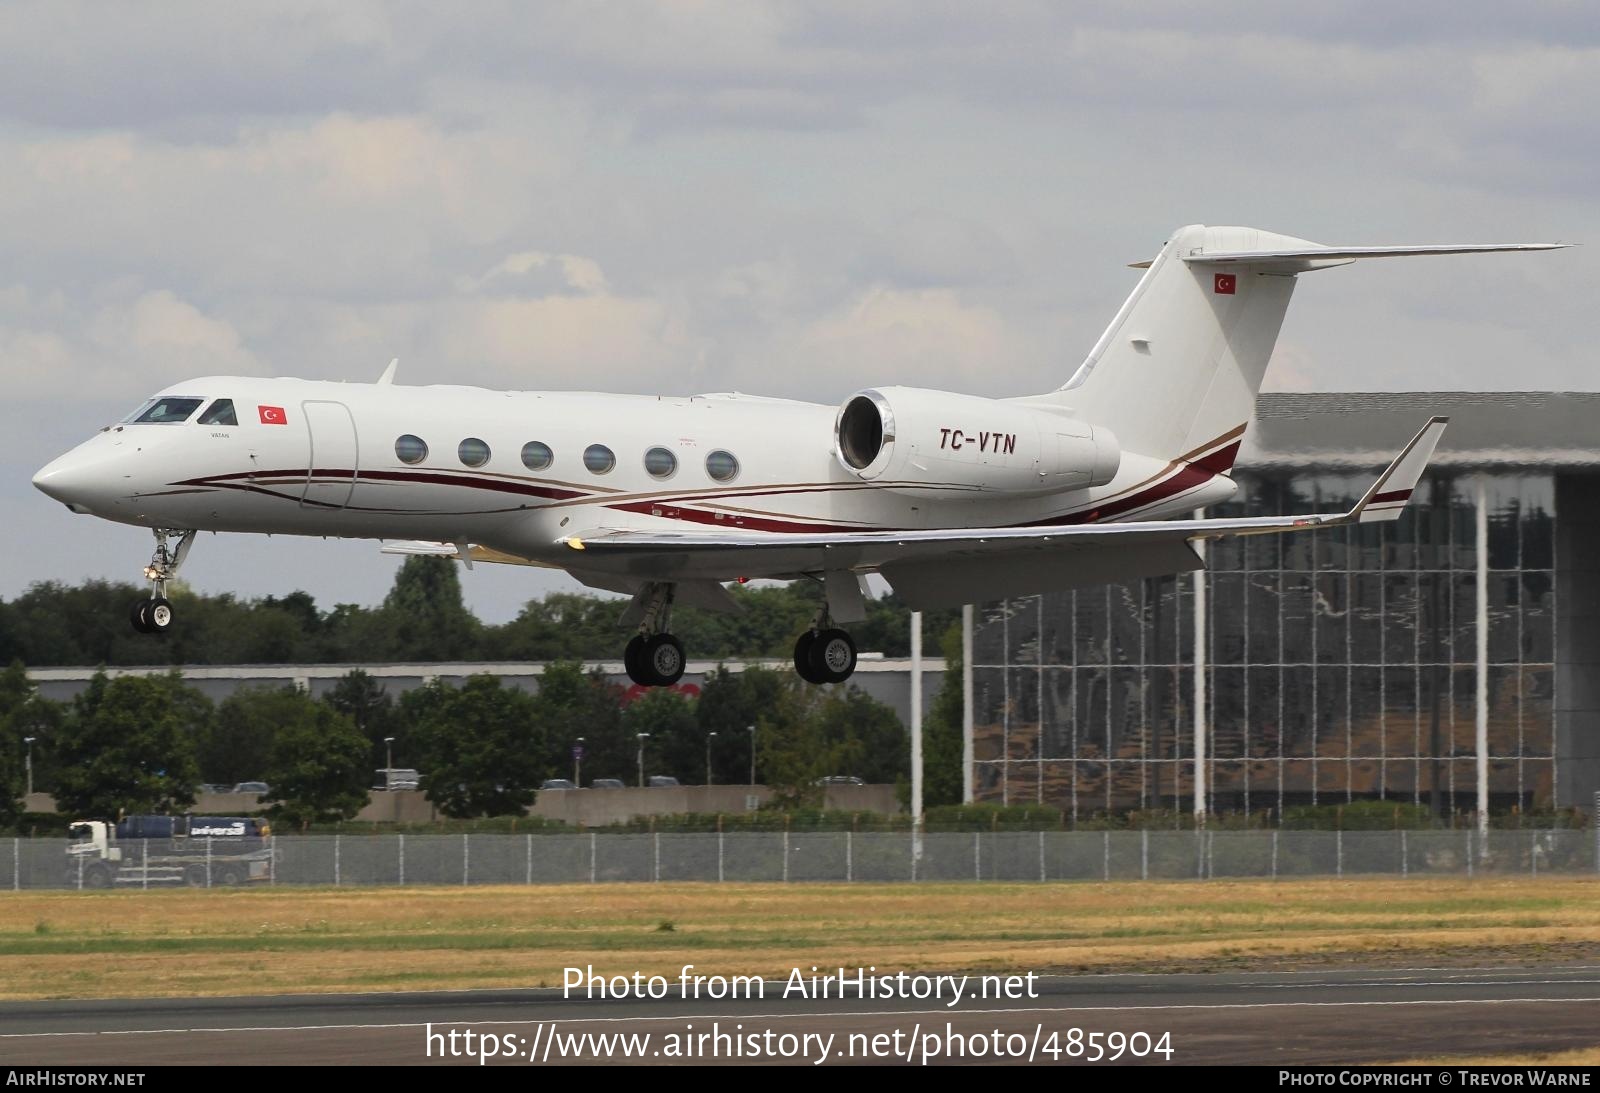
<point>793,199</point>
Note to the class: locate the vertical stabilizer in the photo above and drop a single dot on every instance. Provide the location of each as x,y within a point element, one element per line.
<point>1176,373</point>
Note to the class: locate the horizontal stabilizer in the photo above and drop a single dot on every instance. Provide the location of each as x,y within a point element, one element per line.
<point>1312,257</point>
<point>1368,252</point>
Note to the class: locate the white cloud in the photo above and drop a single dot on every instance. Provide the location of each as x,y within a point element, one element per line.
<point>120,350</point>
<point>920,338</point>
<point>576,272</point>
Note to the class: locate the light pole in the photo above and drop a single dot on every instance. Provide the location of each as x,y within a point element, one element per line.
<point>751,729</point>
<point>28,740</point>
<point>642,738</point>
<point>577,763</point>
<point>709,735</point>
<point>388,762</point>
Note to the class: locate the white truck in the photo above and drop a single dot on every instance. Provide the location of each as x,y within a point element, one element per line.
<point>140,851</point>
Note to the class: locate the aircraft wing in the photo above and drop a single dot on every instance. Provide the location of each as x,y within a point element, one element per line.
<point>947,567</point>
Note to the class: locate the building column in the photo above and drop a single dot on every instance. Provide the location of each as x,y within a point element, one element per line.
<point>1201,805</point>
<point>1481,542</point>
<point>966,705</point>
<point>916,720</point>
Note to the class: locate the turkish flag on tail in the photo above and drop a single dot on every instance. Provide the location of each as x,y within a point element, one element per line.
<point>273,415</point>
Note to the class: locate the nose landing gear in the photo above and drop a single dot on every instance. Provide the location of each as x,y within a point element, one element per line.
<point>154,615</point>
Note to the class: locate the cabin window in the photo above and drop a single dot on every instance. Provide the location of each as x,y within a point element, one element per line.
<point>660,463</point>
<point>220,413</point>
<point>722,466</point>
<point>169,410</point>
<point>473,452</point>
<point>537,456</point>
<point>599,459</point>
<point>410,449</point>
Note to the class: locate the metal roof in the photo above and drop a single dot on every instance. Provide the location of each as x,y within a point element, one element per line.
<point>1365,429</point>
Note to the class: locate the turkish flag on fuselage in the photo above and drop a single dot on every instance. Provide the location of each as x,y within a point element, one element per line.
<point>273,415</point>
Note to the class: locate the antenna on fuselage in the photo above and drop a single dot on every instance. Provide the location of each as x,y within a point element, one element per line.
<point>388,373</point>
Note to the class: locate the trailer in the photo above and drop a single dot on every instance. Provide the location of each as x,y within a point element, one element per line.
<point>166,851</point>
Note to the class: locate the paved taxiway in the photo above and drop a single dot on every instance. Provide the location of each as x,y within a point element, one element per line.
<point>1342,1016</point>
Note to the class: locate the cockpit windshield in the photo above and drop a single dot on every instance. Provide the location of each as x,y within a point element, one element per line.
<point>169,410</point>
<point>220,413</point>
<point>143,406</point>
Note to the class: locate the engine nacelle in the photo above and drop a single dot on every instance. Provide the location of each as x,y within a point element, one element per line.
<point>932,442</point>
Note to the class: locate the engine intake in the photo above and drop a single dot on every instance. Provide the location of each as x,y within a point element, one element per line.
<point>934,443</point>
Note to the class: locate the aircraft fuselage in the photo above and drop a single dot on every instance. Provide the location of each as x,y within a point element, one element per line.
<point>521,472</point>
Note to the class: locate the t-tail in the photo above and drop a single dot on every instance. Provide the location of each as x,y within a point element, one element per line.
<point>1175,375</point>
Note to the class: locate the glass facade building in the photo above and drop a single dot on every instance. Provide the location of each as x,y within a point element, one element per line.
<point>1337,665</point>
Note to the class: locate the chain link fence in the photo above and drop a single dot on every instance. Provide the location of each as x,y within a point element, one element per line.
<point>796,857</point>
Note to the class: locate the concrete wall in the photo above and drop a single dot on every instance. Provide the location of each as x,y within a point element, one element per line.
<point>597,807</point>
<point>589,807</point>
<point>1577,639</point>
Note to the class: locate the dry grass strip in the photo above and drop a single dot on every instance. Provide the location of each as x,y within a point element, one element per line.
<point>280,940</point>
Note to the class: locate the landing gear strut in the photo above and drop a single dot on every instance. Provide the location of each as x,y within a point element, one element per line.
<point>653,657</point>
<point>824,653</point>
<point>154,615</point>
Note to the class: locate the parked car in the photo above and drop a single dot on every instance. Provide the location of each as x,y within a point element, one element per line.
<point>252,787</point>
<point>840,780</point>
<point>558,783</point>
<point>607,783</point>
<point>397,778</point>
<point>659,780</point>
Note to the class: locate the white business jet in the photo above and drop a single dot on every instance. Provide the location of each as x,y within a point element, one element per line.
<point>952,498</point>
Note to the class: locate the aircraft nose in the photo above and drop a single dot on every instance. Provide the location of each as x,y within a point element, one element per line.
<point>69,479</point>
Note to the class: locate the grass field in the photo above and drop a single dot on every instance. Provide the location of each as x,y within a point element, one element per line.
<point>264,941</point>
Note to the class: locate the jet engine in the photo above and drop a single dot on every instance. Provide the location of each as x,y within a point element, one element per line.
<point>934,443</point>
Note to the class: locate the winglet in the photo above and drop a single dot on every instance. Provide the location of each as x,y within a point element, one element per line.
<point>1387,497</point>
<point>388,373</point>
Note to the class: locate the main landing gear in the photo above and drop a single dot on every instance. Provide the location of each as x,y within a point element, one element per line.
<point>653,657</point>
<point>824,653</point>
<point>154,615</point>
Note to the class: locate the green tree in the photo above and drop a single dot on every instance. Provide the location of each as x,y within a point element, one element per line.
<point>941,729</point>
<point>435,624</point>
<point>480,748</point>
<point>676,745</point>
<point>841,731</point>
<point>730,703</point>
<point>318,768</point>
<point>237,745</point>
<point>129,746</point>
<point>564,625</point>
<point>572,704</point>
<point>23,714</point>
<point>364,701</point>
